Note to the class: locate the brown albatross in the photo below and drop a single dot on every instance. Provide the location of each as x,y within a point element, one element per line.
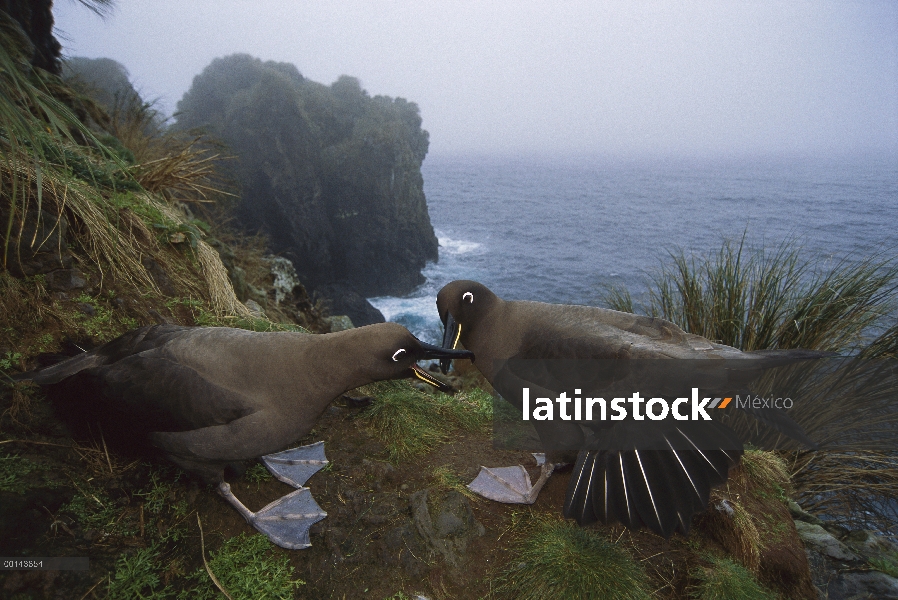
<point>641,473</point>
<point>213,398</point>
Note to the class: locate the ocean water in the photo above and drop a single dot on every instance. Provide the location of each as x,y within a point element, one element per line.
<point>564,230</point>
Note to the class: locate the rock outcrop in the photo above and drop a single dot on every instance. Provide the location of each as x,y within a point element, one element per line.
<point>846,564</point>
<point>328,173</point>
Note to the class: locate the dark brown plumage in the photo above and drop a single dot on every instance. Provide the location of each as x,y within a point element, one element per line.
<point>210,399</point>
<point>658,489</point>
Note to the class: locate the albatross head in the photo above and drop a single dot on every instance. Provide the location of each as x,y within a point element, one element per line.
<point>396,354</point>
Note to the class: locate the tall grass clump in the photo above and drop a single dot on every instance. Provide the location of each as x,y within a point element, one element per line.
<point>553,558</point>
<point>756,300</point>
<point>62,180</point>
<point>759,300</point>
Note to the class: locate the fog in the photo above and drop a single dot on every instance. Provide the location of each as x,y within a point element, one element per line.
<point>506,76</point>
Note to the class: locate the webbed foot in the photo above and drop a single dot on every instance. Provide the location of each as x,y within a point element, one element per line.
<point>286,521</point>
<point>295,466</point>
<point>510,484</point>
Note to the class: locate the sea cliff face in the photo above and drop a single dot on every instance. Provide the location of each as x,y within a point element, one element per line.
<point>329,174</point>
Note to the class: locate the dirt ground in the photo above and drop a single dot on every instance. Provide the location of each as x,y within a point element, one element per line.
<point>365,548</point>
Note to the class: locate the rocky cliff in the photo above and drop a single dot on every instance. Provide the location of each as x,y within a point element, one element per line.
<point>331,175</point>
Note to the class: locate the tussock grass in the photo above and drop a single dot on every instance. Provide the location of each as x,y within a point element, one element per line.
<point>850,410</point>
<point>52,164</point>
<point>725,579</point>
<point>766,471</point>
<point>766,300</point>
<point>182,174</point>
<point>884,346</point>
<point>411,422</point>
<point>762,300</point>
<point>553,558</point>
<point>856,488</point>
<point>747,535</point>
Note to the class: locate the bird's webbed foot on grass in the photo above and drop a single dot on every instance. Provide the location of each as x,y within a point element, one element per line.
<point>286,521</point>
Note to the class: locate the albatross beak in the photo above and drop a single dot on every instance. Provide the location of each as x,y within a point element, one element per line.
<point>443,354</point>
<point>451,335</point>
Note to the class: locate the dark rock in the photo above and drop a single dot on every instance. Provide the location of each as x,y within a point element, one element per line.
<point>64,280</point>
<point>359,402</point>
<point>344,300</point>
<point>799,514</point>
<point>339,323</point>
<point>841,569</point>
<point>820,540</point>
<point>448,531</point>
<point>862,585</point>
<point>87,309</point>
<point>159,276</point>
<point>16,532</point>
<point>255,309</point>
<point>38,245</point>
<point>35,18</point>
<point>837,530</point>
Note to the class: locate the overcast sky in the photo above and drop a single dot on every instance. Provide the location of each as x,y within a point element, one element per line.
<point>622,76</point>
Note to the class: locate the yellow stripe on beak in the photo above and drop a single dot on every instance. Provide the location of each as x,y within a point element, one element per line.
<point>428,378</point>
<point>457,337</point>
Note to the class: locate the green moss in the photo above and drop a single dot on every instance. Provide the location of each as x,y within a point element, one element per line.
<point>248,567</point>
<point>104,324</point>
<point>94,510</point>
<point>557,559</point>
<point>140,205</point>
<point>157,495</point>
<point>725,579</point>
<point>258,473</point>
<point>9,360</point>
<point>14,471</point>
<point>411,422</point>
<point>888,564</point>
<point>444,477</point>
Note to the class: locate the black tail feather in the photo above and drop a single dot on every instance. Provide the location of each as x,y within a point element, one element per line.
<point>660,490</point>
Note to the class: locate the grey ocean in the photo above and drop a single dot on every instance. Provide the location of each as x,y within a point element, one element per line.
<point>561,231</point>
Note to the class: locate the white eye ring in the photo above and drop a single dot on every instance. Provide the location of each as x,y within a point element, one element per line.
<point>397,353</point>
<point>469,296</point>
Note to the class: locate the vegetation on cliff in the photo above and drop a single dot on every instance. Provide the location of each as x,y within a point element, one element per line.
<point>331,175</point>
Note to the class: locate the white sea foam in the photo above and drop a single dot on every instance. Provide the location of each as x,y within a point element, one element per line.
<point>451,246</point>
<point>393,308</point>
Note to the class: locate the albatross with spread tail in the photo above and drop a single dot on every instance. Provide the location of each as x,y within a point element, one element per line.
<point>641,473</point>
